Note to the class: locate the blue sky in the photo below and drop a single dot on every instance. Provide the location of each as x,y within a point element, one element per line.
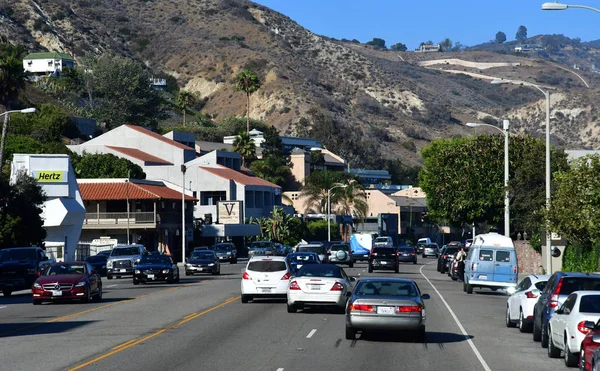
<point>410,22</point>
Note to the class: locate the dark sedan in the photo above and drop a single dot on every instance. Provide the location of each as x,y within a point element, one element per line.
<point>386,304</point>
<point>226,251</point>
<point>156,268</point>
<point>383,258</point>
<point>98,262</point>
<point>446,257</point>
<point>202,261</point>
<point>67,281</point>
<point>297,259</point>
<point>407,254</point>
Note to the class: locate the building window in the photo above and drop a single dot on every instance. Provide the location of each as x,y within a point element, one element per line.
<point>211,198</point>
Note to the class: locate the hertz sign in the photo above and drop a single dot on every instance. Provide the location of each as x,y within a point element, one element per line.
<point>50,176</point>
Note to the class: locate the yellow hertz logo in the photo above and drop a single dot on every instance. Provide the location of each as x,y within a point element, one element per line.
<point>50,176</point>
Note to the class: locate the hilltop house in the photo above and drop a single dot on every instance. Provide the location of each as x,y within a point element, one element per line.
<point>47,63</point>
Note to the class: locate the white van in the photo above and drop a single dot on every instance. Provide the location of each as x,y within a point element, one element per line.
<point>491,263</point>
<point>424,241</point>
<point>385,241</point>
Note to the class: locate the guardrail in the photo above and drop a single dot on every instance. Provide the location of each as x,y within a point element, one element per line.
<point>119,219</point>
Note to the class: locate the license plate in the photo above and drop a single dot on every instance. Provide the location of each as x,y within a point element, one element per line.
<point>56,293</point>
<point>385,310</point>
<point>265,289</point>
<point>150,276</point>
<point>404,254</point>
<point>383,263</point>
<point>483,277</point>
<point>200,269</point>
<point>315,287</point>
<point>123,270</point>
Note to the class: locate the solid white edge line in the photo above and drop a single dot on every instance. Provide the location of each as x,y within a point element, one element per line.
<point>280,369</point>
<point>111,286</point>
<point>2,307</point>
<point>460,326</point>
<point>311,333</point>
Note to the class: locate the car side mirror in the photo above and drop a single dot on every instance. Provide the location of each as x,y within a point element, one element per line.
<point>560,311</point>
<point>45,258</point>
<point>589,324</point>
<point>425,297</point>
<point>596,338</point>
<point>38,273</point>
<point>349,294</point>
<point>186,259</point>
<point>352,279</point>
<point>93,271</point>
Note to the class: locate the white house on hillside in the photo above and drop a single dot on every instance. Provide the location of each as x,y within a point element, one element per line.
<point>47,63</point>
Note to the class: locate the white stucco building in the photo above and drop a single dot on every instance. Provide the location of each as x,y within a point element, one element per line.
<point>47,63</point>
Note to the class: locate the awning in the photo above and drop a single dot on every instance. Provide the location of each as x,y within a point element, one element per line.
<point>230,230</point>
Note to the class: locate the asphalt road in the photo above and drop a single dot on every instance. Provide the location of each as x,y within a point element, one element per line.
<point>200,323</point>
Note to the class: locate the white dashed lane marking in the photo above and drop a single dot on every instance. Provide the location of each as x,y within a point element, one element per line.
<point>310,334</point>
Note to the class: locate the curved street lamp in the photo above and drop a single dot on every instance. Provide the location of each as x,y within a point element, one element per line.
<point>5,130</point>
<point>559,6</point>
<point>329,208</point>
<point>504,130</point>
<point>547,95</point>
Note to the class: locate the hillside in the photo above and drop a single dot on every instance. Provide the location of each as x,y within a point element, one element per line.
<point>397,102</point>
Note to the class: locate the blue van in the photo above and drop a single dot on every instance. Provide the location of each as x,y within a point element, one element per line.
<point>491,263</point>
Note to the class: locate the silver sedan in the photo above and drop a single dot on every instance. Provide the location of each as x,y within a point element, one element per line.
<point>386,304</point>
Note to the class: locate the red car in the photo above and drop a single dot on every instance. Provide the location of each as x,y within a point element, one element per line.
<point>588,345</point>
<point>67,281</point>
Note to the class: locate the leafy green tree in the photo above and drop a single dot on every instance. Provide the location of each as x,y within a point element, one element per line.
<point>27,144</point>
<point>248,82</point>
<point>377,42</point>
<point>316,230</point>
<point>245,146</point>
<point>316,160</point>
<point>97,165</point>
<point>352,200</point>
<point>399,47</point>
<point>184,100</point>
<point>48,124</point>
<point>575,207</point>
<point>273,169</point>
<point>521,33</point>
<point>446,45</point>
<point>12,76</point>
<point>428,42</point>
<point>500,37</point>
<point>21,223</point>
<point>118,92</point>
<point>273,145</point>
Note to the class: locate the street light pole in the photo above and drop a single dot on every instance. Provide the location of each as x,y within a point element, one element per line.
<point>329,208</point>
<point>559,6</point>
<point>504,130</point>
<point>548,172</point>
<point>183,169</point>
<point>5,130</point>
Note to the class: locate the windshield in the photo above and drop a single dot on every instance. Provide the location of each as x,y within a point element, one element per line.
<point>267,266</point>
<point>203,255</point>
<point>96,259</point>
<point>222,246</point>
<point>320,270</point>
<point>315,249</point>
<point>64,269</point>
<point>386,288</point>
<point>18,254</point>
<point>124,251</point>
<point>381,239</point>
<point>155,259</point>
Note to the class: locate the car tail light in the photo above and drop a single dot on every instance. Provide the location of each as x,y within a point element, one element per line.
<point>286,276</point>
<point>294,285</point>
<point>328,252</point>
<point>412,253</point>
<point>337,287</point>
<point>472,266</point>
<point>246,276</point>
<point>409,309</point>
<point>554,298</point>
<point>374,253</point>
<point>581,328</point>
<point>514,269</point>
<point>362,307</point>
<point>444,256</point>
<point>531,295</point>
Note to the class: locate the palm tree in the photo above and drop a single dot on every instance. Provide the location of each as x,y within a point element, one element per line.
<point>273,169</point>
<point>248,82</point>
<point>12,76</point>
<point>316,190</point>
<point>245,147</point>
<point>352,200</point>
<point>184,100</point>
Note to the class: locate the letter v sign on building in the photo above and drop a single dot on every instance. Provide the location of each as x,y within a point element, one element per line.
<point>230,212</point>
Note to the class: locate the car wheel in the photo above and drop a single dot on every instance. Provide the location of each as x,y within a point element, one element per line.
<point>553,352</point>
<point>521,324</point>
<point>370,269</point>
<point>464,287</point>
<point>7,292</point>
<point>245,298</point>
<point>469,288</point>
<point>88,295</point>
<point>582,359</point>
<point>571,359</point>
<point>545,336</point>
<point>37,302</point>
<point>509,323</point>
<point>351,265</point>
<point>234,261</point>
<point>98,296</point>
<point>291,308</point>
<point>136,282</point>
<point>350,333</point>
<point>415,262</point>
<point>537,332</point>
<point>396,269</point>
<point>109,276</point>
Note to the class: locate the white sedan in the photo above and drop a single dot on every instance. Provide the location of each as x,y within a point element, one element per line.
<point>319,284</point>
<point>265,277</point>
<point>567,327</point>
<point>519,306</point>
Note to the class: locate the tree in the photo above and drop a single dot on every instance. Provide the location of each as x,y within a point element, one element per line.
<point>245,146</point>
<point>92,166</point>
<point>521,33</point>
<point>48,124</point>
<point>500,37</point>
<point>248,82</point>
<point>21,223</point>
<point>316,160</point>
<point>118,92</point>
<point>575,208</point>
<point>377,42</point>
<point>429,42</point>
<point>446,45</point>
<point>399,47</point>
<point>352,200</point>
<point>273,169</point>
<point>27,144</point>
<point>317,186</point>
<point>272,145</point>
<point>12,76</point>
<point>184,100</point>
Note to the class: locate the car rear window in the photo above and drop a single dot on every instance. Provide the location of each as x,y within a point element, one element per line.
<point>315,249</point>
<point>486,255</point>
<point>503,256</point>
<point>383,251</point>
<point>267,266</point>
<point>319,270</point>
<point>383,288</point>
<point>570,284</point>
<point>405,249</point>
<point>590,304</point>
<point>540,285</point>
<point>451,250</point>
<point>340,247</point>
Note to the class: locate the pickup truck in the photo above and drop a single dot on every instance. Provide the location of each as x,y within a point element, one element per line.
<point>20,267</point>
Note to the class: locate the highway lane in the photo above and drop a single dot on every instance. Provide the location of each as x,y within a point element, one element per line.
<point>204,326</point>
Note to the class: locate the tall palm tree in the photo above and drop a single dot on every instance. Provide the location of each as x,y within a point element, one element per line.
<point>245,147</point>
<point>352,200</point>
<point>184,100</point>
<point>248,82</point>
<point>316,190</point>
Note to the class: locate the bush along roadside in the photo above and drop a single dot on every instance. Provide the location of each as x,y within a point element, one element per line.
<point>581,259</point>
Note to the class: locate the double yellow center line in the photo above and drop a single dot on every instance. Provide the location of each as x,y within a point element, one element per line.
<point>133,342</point>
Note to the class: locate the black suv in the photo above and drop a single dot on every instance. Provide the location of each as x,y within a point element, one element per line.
<point>20,266</point>
<point>383,258</point>
<point>446,257</point>
<point>559,286</point>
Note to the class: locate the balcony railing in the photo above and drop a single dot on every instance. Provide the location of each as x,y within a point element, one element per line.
<point>119,219</point>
